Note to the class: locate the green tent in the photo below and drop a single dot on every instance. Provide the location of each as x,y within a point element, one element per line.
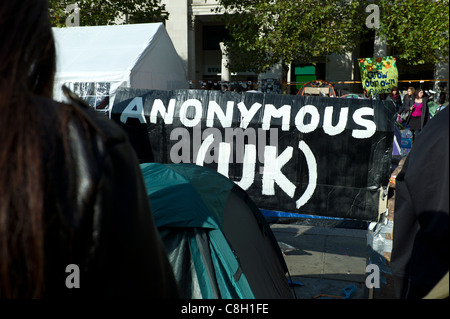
<point>218,242</point>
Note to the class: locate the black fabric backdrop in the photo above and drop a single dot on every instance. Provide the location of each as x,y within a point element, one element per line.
<point>350,171</point>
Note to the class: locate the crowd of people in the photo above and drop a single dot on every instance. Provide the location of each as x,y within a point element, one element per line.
<point>228,86</point>
<point>413,109</point>
<point>263,86</point>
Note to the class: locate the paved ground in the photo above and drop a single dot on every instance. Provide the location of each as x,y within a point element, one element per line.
<point>325,260</point>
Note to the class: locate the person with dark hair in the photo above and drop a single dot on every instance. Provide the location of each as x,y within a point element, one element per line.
<point>71,190</point>
<point>408,101</point>
<point>396,98</point>
<point>420,113</point>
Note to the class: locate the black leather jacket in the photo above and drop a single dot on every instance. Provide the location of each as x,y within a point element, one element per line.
<point>97,213</point>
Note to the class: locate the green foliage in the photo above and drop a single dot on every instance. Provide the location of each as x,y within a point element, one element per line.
<point>417,29</point>
<point>265,32</point>
<point>102,12</point>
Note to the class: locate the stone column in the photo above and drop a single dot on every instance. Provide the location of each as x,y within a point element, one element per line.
<point>225,71</point>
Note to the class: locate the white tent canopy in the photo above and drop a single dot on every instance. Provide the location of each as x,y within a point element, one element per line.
<point>95,61</point>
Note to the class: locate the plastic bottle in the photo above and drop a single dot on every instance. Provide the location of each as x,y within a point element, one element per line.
<point>406,142</point>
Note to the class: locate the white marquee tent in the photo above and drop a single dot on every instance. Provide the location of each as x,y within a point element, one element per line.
<point>95,61</point>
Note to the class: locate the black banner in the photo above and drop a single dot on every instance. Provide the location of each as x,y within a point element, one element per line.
<point>301,154</point>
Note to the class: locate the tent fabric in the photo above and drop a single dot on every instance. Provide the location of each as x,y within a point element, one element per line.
<point>255,262</point>
<point>179,243</point>
<point>218,242</point>
<point>134,55</point>
<point>396,149</point>
<point>183,195</point>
